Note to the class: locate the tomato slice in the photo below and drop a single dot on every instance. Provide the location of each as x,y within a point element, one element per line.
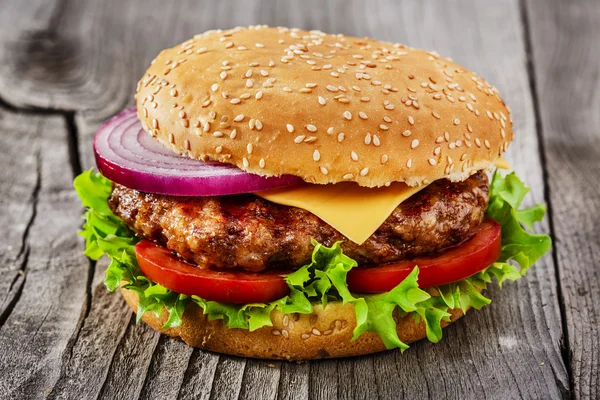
<point>458,263</point>
<point>162,267</point>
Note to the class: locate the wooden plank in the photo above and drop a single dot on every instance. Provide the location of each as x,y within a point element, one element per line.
<point>165,375</point>
<point>507,341</point>
<point>31,51</point>
<point>40,325</point>
<point>564,38</point>
<point>262,379</point>
<point>128,370</point>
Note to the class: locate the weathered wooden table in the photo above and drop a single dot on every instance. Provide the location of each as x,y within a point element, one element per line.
<point>67,65</point>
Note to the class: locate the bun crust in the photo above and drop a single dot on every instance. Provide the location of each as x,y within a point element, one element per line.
<point>326,333</point>
<point>327,108</point>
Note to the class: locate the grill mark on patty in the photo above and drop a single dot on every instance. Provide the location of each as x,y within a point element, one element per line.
<point>245,231</point>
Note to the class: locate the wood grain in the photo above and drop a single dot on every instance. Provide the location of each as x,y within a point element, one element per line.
<point>565,46</point>
<point>38,202</point>
<point>84,57</point>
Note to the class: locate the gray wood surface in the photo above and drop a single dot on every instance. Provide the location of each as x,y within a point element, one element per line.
<point>75,63</point>
<point>566,47</point>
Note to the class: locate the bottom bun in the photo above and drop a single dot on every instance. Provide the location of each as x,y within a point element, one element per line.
<point>326,333</point>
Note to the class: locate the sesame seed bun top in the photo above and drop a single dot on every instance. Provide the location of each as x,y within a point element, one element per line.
<point>327,108</point>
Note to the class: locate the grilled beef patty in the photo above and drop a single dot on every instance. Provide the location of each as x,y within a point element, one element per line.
<point>247,232</point>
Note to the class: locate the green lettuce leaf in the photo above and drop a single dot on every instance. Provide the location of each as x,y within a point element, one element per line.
<point>324,278</point>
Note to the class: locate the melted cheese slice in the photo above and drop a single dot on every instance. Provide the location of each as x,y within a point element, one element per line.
<point>502,163</point>
<point>354,211</point>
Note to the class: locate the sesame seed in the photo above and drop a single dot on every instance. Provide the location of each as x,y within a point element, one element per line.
<point>406,133</point>
<point>259,95</point>
<point>368,139</point>
<point>348,115</point>
<point>261,164</point>
<point>322,101</point>
<point>316,155</point>
<point>376,141</point>
<point>251,123</point>
<point>287,89</point>
<point>409,163</point>
<point>411,120</point>
<point>249,83</point>
<point>362,115</point>
<point>259,45</point>
<point>364,171</point>
<point>229,45</point>
<point>311,128</point>
<point>365,99</point>
<point>290,128</point>
<point>436,115</point>
<point>299,139</point>
<point>341,137</point>
<point>456,121</point>
<point>384,158</point>
<point>389,107</point>
<point>206,127</point>
<point>324,170</point>
<point>432,161</point>
<point>233,134</point>
<point>218,134</point>
<point>356,88</point>
<point>245,162</point>
<point>354,156</point>
<point>239,118</point>
<point>214,87</point>
<point>332,88</point>
<point>258,124</point>
<point>414,143</point>
<point>155,124</point>
<point>383,127</point>
<point>249,148</point>
<point>487,144</point>
<point>311,85</point>
<point>223,75</point>
<point>330,130</point>
<point>235,101</point>
<point>348,176</point>
<point>305,336</point>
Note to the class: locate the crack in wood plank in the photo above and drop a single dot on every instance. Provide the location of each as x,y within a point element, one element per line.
<point>23,254</point>
<point>565,349</point>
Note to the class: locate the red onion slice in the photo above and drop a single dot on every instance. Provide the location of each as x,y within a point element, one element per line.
<point>127,155</point>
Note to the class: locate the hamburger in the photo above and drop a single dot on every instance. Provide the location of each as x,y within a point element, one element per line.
<point>285,194</point>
